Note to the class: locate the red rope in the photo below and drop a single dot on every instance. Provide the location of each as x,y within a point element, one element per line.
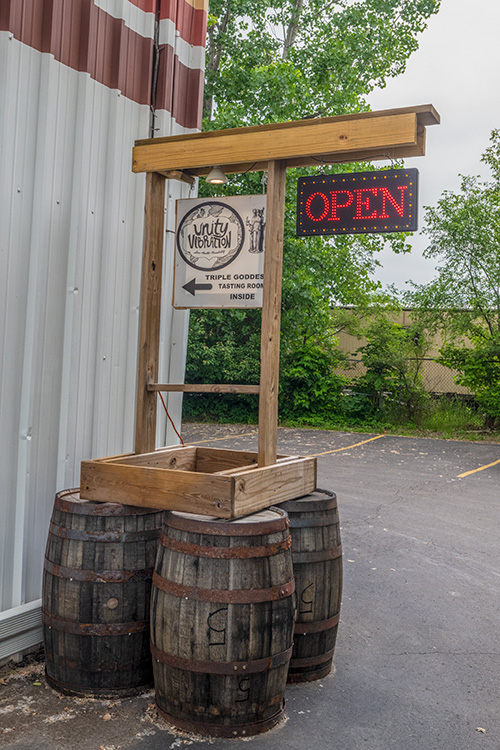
<point>170,418</point>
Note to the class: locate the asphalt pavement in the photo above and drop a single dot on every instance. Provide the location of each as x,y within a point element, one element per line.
<point>417,662</point>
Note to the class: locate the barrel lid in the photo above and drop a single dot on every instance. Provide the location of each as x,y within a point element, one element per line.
<point>69,501</point>
<point>317,500</point>
<point>265,521</point>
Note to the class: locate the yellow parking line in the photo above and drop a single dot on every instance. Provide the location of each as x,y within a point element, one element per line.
<point>346,448</point>
<point>227,437</point>
<point>310,455</point>
<point>474,471</point>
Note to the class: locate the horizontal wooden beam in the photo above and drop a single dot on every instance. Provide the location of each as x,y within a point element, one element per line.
<point>316,140</point>
<point>203,388</point>
<point>365,135</point>
<point>176,174</point>
<point>387,153</point>
<point>254,465</point>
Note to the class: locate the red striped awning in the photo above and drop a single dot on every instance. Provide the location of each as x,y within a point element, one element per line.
<point>87,35</point>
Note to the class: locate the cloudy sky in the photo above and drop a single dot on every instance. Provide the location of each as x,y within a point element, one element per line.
<point>457,69</point>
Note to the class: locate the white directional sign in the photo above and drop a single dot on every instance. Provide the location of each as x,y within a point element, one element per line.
<point>219,259</point>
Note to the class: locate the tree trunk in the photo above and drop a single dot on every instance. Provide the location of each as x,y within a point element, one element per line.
<point>291,33</point>
<point>214,50</point>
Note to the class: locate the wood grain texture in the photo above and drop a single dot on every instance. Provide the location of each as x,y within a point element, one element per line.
<point>175,458</point>
<point>214,671</point>
<point>212,481</point>
<point>270,485</point>
<point>237,469</point>
<point>318,137</point>
<point>303,141</point>
<point>203,388</point>
<point>150,315</point>
<point>220,459</point>
<point>271,314</point>
<point>147,486</point>
<point>180,176</point>
<point>426,115</point>
<point>95,599</point>
<point>373,154</point>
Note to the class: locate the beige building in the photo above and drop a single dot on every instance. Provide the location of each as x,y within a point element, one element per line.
<point>437,378</point>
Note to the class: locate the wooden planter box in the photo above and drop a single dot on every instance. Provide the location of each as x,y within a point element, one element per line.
<point>210,481</point>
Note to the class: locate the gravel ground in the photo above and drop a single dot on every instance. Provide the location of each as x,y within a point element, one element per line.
<point>418,654</point>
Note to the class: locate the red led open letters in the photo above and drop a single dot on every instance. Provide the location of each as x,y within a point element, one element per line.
<point>384,201</point>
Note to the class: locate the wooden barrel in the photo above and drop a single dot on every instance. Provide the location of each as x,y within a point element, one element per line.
<point>317,567</point>
<point>222,613</point>
<point>98,568</point>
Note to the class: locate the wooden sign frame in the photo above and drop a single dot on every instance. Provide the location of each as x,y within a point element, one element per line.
<point>223,482</point>
<point>369,135</point>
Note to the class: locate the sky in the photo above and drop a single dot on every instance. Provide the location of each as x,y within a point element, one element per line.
<point>457,69</point>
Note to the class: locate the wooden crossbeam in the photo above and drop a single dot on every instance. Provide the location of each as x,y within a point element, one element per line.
<point>365,135</point>
<point>176,174</point>
<point>203,388</point>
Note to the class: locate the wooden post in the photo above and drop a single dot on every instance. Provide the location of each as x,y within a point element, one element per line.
<point>271,314</point>
<point>149,332</point>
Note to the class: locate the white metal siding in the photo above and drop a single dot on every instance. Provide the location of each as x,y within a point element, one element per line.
<point>71,231</point>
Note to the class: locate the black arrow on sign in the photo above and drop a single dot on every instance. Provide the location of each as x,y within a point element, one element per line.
<point>192,287</point>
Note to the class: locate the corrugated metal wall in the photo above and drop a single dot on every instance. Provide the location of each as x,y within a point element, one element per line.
<point>75,90</point>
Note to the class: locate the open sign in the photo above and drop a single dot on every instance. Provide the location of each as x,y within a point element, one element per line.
<point>360,202</point>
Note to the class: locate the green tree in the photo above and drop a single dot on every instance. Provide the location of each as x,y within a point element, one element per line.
<point>393,357</point>
<point>463,301</point>
<point>276,60</point>
<point>271,60</point>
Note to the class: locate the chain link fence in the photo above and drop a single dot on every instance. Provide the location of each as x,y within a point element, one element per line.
<point>437,378</point>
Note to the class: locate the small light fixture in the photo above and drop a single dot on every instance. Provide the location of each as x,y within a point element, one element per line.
<point>216,176</point>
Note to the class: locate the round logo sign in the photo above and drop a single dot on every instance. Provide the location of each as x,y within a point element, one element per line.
<point>210,236</point>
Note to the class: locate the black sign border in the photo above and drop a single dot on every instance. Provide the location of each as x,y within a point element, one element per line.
<point>346,177</point>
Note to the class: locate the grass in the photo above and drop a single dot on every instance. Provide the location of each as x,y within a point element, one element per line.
<point>446,418</point>
<point>442,418</point>
<point>451,416</point>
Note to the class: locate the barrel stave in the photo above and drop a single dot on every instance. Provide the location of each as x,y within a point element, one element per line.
<point>317,565</point>
<point>96,593</point>
<point>214,670</point>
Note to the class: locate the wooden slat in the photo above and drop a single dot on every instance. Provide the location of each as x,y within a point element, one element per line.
<point>178,458</point>
<point>219,459</point>
<point>174,174</point>
<point>237,469</point>
<point>149,332</point>
<point>270,485</point>
<point>188,457</point>
<point>135,456</point>
<point>119,457</point>
<point>389,152</point>
<point>303,140</point>
<point>203,388</point>
<point>254,465</point>
<point>271,314</point>
<point>426,115</point>
<point>150,487</point>
<point>392,152</point>
<point>166,451</point>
